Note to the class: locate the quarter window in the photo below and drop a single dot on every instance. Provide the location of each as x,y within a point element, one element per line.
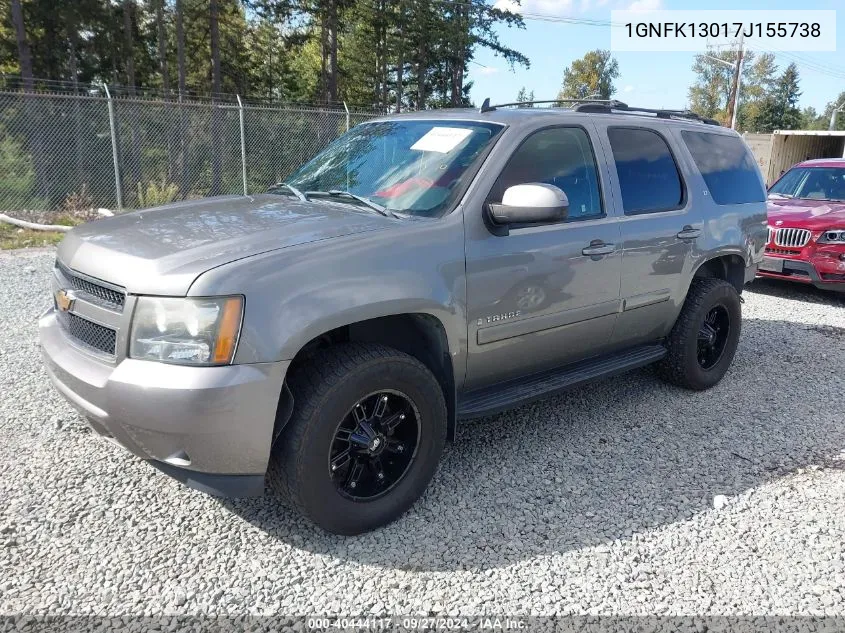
<point>726,165</point>
<point>560,156</point>
<point>648,176</point>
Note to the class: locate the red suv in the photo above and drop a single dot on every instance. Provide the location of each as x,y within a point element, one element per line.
<point>806,240</point>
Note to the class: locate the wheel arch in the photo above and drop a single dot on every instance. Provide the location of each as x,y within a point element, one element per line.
<point>418,334</point>
<point>729,267</point>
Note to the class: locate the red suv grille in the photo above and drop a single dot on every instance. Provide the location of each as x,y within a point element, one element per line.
<point>796,238</point>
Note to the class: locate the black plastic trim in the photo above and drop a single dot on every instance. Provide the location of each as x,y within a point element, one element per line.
<point>230,486</point>
<point>506,395</point>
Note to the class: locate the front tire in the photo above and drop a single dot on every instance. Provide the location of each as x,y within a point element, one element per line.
<point>364,439</point>
<point>704,339</point>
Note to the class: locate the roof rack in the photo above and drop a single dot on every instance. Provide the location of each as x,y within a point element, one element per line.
<point>486,107</point>
<point>608,106</point>
<point>618,106</point>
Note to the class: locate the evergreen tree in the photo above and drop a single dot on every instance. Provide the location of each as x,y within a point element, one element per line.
<point>385,54</point>
<point>779,110</point>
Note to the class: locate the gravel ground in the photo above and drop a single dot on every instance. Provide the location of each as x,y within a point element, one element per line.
<point>625,497</point>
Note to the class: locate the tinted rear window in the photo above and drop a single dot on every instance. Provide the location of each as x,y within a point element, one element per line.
<point>648,176</point>
<point>727,167</point>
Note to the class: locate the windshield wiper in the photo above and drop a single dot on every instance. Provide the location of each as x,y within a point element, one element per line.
<point>283,185</point>
<point>338,193</point>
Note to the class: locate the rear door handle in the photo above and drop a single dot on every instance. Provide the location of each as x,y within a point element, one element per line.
<point>597,248</point>
<point>689,233</point>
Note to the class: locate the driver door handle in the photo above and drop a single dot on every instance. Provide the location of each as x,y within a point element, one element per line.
<point>597,248</point>
<point>689,233</point>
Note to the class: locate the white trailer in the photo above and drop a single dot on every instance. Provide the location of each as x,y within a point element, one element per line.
<point>777,152</point>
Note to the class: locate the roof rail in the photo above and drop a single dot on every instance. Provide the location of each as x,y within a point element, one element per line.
<point>486,107</point>
<point>607,106</point>
<point>617,107</point>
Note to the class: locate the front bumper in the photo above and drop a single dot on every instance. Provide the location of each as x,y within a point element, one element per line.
<point>820,271</point>
<point>210,427</point>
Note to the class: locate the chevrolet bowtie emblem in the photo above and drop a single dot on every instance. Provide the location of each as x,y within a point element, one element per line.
<point>65,299</point>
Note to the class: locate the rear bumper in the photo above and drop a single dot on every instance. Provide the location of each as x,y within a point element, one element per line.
<point>804,272</point>
<point>210,427</point>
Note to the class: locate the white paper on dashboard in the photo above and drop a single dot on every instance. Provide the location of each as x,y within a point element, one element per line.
<point>441,139</point>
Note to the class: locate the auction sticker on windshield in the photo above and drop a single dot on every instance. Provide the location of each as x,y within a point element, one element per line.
<point>441,139</point>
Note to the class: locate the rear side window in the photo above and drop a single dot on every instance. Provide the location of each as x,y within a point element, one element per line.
<point>727,167</point>
<point>648,175</point>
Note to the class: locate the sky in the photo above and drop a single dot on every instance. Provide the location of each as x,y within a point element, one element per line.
<point>657,80</point>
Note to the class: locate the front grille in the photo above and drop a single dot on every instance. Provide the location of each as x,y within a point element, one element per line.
<point>781,251</point>
<point>108,297</point>
<point>795,238</point>
<point>90,334</point>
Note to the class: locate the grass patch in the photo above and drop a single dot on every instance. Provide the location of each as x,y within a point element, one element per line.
<point>12,236</point>
<point>16,237</point>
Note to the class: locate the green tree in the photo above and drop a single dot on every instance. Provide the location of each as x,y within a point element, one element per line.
<point>758,81</point>
<point>779,110</point>
<point>386,54</point>
<point>710,92</point>
<point>812,120</point>
<point>828,110</point>
<point>590,76</point>
<point>523,96</point>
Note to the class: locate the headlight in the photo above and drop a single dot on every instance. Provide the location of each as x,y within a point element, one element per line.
<point>186,331</point>
<point>833,236</point>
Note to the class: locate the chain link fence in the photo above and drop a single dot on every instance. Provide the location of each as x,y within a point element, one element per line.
<point>62,151</point>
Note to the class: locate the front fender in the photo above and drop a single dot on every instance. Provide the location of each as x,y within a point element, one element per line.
<point>296,294</point>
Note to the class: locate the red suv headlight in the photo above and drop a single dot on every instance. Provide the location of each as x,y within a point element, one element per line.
<point>832,236</point>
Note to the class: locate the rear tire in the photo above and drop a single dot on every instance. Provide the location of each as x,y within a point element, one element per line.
<point>346,459</point>
<point>704,339</point>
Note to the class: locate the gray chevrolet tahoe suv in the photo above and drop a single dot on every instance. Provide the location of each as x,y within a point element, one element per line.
<point>423,269</point>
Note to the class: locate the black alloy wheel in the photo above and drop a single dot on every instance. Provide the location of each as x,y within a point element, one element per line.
<point>374,445</point>
<point>713,336</point>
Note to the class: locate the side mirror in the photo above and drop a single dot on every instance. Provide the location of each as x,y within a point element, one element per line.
<point>530,203</point>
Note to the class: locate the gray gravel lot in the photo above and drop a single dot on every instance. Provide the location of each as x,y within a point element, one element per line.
<point>599,501</point>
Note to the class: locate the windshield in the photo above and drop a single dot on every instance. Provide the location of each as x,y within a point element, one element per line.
<point>412,167</point>
<point>812,183</point>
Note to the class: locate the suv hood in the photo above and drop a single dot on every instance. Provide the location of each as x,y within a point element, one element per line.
<point>815,215</point>
<point>163,250</point>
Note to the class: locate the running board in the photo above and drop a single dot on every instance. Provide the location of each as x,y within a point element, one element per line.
<point>506,395</point>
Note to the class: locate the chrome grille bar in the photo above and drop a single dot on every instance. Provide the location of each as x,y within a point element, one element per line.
<point>791,238</point>
<point>109,296</point>
<point>95,319</point>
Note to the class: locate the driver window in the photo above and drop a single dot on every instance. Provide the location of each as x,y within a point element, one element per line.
<point>560,156</point>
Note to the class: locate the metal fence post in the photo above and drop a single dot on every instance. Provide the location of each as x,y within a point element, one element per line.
<point>243,142</point>
<point>347,115</point>
<point>117,186</point>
